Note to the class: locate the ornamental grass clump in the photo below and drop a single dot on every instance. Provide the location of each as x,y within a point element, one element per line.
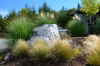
<point>76,27</point>
<point>61,50</point>
<point>20,28</point>
<point>20,48</point>
<point>93,50</point>
<point>38,50</point>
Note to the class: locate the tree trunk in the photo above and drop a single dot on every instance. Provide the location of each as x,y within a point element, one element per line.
<point>91,29</point>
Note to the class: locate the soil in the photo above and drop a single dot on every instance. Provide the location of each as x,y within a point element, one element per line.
<point>27,61</point>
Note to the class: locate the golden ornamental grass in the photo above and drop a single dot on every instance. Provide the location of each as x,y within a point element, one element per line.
<point>20,48</point>
<point>93,50</point>
<point>61,50</point>
<point>38,50</point>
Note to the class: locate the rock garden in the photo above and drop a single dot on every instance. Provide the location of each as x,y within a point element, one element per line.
<point>29,45</point>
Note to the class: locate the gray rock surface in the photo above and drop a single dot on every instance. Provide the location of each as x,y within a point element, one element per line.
<point>48,32</point>
<point>3,45</point>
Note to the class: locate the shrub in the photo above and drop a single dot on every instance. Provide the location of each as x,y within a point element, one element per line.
<point>44,20</point>
<point>93,50</point>
<point>38,50</point>
<point>20,48</point>
<point>76,27</point>
<point>63,17</point>
<point>64,35</point>
<point>62,50</point>
<point>96,27</point>
<point>19,28</point>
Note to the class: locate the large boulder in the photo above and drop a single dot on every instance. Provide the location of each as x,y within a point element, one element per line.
<point>48,32</point>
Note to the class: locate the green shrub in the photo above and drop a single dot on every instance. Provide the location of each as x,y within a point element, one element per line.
<point>44,20</point>
<point>76,27</point>
<point>20,28</point>
<point>20,48</point>
<point>93,50</point>
<point>38,50</point>
<point>62,50</point>
<point>96,27</point>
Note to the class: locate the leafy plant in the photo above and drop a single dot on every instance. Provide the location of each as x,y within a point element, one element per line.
<point>38,50</point>
<point>61,50</point>
<point>20,48</point>
<point>76,27</point>
<point>19,28</point>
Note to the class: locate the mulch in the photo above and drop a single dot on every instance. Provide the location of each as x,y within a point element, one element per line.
<point>27,61</point>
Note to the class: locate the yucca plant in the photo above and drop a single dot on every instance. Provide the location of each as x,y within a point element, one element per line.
<point>61,50</point>
<point>38,50</point>
<point>20,48</point>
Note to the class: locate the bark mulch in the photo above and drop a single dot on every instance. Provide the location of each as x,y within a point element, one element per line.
<point>27,61</point>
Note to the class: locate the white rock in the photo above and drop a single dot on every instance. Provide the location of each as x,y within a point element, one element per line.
<point>7,56</point>
<point>48,32</point>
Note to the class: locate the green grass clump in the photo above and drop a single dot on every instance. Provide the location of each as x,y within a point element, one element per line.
<point>20,28</point>
<point>93,50</point>
<point>38,50</point>
<point>62,50</point>
<point>20,48</point>
<point>76,27</point>
<point>44,20</point>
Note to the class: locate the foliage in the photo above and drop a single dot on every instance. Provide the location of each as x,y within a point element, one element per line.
<point>28,12</point>
<point>19,28</point>
<point>90,7</point>
<point>20,48</point>
<point>23,13</point>
<point>76,27</point>
<point>56,14</point>
<point>64,35</point>
<point>97,26</point>
<point>2,23</point>
<point>44,20</point>
<point>38,50</point>
<point>64,17</point>
<point>61,50</point>
<point>12,14</point>
<point>93,50</point>
<point>44,8</point>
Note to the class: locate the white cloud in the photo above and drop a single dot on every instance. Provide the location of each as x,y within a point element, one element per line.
<point>4,13</point>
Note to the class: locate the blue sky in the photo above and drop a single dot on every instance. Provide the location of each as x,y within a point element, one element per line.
<point>8,5</point>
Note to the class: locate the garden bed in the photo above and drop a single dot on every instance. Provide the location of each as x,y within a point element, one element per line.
<point>27,61</point>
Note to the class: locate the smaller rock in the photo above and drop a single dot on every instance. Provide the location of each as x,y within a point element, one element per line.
<point>7,56</point>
